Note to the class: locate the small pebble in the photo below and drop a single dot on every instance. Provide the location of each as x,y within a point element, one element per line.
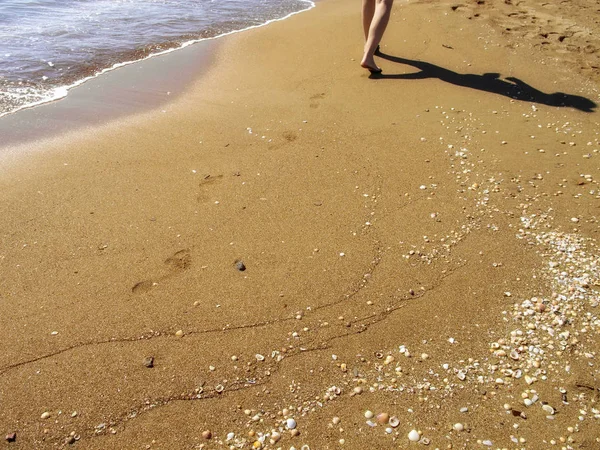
<point>179,333</point>
<point>206,434</point>
<point>45,415</point>
<point>149,362</point>
<point>11,437</point>
<point>239,265</point>
<point>369,414</point>
<point>290,424</point>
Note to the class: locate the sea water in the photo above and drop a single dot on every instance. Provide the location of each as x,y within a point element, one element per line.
<point>49,46</point>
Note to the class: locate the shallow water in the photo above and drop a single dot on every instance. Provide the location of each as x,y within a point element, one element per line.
<point>51,45</point>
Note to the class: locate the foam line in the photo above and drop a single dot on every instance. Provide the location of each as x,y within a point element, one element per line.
<point>62,92</point>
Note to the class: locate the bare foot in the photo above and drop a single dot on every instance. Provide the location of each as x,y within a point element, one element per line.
<point>369,64</point>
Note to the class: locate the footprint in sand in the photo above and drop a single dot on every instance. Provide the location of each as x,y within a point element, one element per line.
<point>315,100</point>
<point>290,136</point>
<point>204,185</point>
<point>176,263</point>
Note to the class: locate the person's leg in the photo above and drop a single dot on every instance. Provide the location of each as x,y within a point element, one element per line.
<point>381,17</point>
<point>368,10</point>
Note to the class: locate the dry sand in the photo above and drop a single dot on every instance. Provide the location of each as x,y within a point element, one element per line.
<point>422,244</point>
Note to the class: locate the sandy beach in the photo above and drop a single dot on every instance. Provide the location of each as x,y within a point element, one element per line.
<point>295,254</point>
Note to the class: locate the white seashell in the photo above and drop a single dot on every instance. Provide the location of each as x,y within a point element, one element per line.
<point>230,436</point>
<point>219,388</point>
<point>394,422</point>
<point>425,441</point>
<point>371,423</point>
<point>369,414</point>
<point>414,436</point>
<point>487,442</point>
<point>45,415</point>
<point>290,424</point>
<point>305,447</point>
<point>461,375</point>
<point>458,427</point>
<point>514,355</point>
<point>549,409</point>
<point>259,357</point>
<point>389,430</point>
<point>275,437</point>
<point>527,402</point>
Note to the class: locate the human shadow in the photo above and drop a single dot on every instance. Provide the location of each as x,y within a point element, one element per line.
<point>511,87</point>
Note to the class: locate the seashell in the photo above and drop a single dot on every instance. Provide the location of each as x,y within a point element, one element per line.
<point>45,415</point>
<point>290,424</point>
<point>425,441</point>
<point>371,423</point>
<point>389,430</point>
<point>275,437</point>
<point>414,436</point>
<point>458,427</point>
<point>369,414</point>
<point>219,388</point>
<point>461,375</point>
<point>379,355</point>
<point>305,447</point>
<point>383,418</point>
<point>259,357</point>
<point>394,421</point>
<point>514,355</point>
<point>549,409</point>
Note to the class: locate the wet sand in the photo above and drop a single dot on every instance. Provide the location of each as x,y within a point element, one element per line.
<point>421,244</point>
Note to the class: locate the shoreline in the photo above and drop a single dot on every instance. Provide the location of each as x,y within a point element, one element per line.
<point>419,247</point>
<point>127,93</point>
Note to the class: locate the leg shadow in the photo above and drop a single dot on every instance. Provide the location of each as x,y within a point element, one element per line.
<point>489,82</point>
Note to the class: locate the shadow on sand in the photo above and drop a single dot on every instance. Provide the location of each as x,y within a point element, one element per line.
<point>489,82</point>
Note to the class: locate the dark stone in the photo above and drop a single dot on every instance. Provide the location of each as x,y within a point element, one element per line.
<point>149,362</point>
<point>71,440</point>
<point>239,265</point>
<point>11,437</point>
